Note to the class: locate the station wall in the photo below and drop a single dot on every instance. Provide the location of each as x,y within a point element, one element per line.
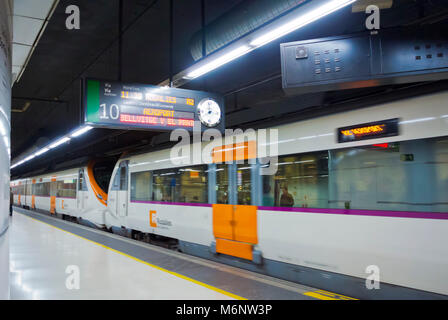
<point>5,142</point>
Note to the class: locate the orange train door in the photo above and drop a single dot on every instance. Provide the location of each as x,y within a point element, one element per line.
<point>33,197</point>
<point>235,226</point>
<point>53,190</point>
<point>235,229</point>
<point>53,205</point>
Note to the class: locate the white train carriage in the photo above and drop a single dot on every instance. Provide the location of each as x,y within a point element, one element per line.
<point>335,214</point>
<point>76,193</point>
<point>357,207</point>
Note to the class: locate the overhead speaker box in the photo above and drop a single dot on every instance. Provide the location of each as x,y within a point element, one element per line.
<point>391,56</point>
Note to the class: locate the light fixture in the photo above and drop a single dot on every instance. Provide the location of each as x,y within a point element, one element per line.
<point>56,144</point>
<point>29,158</point>
<point>301,21</point>
<point>81,131</point>
<point>216,63</point>
<point>41,152</point>
<point>59,142</point>
<point>304,16</point>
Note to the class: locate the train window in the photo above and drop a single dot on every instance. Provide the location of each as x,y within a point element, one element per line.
<point>300,181</point>
<point>405,176</point>
<point>222,184</point>
<point>53,188</point>
<point>184,185</point>
<point>141,186</point>
<point>29,189</point>
<point>66,189</point>
<point>82,185</point>
<point>102,172</point>
<point>123,178</point>
<point>244,184</point>
<point>116,182</point>
<point>402,176</point>
<point>42,189</point>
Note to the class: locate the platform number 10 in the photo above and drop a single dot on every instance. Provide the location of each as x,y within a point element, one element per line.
<point>113,112</point>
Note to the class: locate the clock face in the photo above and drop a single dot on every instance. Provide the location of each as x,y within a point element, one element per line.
<point>209,112</point>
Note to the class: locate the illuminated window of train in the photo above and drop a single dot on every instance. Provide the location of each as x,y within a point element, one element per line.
<point>29,188</point>
<point>66,189</point>
<point>244,184</point>
<point>141,186</point>
<point>301,181</point>
<point>42,189</point>
<point>53,188</point>
<point>405,176</point>
<point>401,176</point>
<point>222,184</point>
<point>183,185</point>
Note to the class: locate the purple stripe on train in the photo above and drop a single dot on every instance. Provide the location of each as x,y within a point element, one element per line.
<point>176,203</point>
<point>353,212</point>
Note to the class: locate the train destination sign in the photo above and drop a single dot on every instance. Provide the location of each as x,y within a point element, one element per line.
<point>372,130</point>
<point>112,105</point>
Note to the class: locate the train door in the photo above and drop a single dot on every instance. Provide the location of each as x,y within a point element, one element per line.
<point>82,188</point>
<point>119,191</point>
<point>235,214</point>
<point>25,197</point>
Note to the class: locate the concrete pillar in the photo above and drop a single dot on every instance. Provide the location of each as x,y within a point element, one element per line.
<point>5,144</point>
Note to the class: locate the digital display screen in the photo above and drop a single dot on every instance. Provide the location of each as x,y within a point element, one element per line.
<point>372,130</point>
<point>112,104</point>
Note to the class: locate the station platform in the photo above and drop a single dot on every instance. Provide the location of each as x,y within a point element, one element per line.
<point>46,254</point>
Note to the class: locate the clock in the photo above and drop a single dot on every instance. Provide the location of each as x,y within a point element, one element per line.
<point>209,112</point>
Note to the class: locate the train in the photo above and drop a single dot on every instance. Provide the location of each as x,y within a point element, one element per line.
<point>358,203</point>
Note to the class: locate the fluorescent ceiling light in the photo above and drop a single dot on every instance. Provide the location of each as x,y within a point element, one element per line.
<point>41,152</point>
<point>81,131</point>
<point>29,158</point>
<point>59,142</point>
<point>214,64</point>
<point>301,21</point>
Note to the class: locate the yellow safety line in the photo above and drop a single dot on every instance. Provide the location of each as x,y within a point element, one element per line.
<point>327,295</point>
<point>149,264</point>
<point>318,296</point>
<point>340,296</point>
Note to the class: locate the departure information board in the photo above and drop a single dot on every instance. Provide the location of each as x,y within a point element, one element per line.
<point>112,105</point>
<point>372,130</point>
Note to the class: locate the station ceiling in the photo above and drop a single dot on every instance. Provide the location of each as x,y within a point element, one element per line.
<point>47,97</point>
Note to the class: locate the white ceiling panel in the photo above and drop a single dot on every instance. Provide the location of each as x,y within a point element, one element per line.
<point>30,18</point>
<point>26,30</point>
<point>16,69</point>
<point>19,54</point>
<point>32,8</point>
